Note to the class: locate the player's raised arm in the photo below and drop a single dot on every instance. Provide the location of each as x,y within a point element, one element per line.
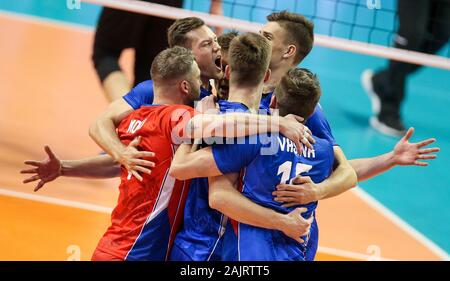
<point>224,197</point>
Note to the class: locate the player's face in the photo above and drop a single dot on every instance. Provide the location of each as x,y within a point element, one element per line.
<point>207,52</point>
<point>276,36</point>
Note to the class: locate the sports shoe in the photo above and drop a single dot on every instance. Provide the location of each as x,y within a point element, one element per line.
<point>366,81</point>
<point>388,124</point>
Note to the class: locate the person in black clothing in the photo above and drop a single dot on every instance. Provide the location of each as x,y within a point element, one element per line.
<point>424,26</point>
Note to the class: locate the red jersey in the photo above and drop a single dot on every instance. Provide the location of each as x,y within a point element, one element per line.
<point>148,213</point>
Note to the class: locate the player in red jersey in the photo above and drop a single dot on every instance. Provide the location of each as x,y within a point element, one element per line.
<point>147,211</point>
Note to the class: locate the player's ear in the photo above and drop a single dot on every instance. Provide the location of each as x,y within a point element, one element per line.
<point>273,102</point>
<point>290,51</point>
<point>267,75</point>
<point>227,72</point>
<point>185,87</point>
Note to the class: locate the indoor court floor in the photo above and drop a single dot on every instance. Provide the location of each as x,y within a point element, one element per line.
<point>49,94</point>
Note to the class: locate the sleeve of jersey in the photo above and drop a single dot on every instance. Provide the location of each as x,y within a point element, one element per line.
<point>319,126</point>
<point>231,158</point>
<point>141,94</point>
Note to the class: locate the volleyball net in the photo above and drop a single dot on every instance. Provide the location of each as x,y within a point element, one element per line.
<point>360,26</point>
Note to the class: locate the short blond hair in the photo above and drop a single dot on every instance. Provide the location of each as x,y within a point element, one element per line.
<point>172,63</point>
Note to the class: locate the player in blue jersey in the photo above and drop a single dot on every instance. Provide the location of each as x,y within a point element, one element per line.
<point>201,235</point>
<point>269,161</point>
<point>292,40</point>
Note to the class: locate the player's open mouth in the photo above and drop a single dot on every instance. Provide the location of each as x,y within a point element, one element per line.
<point>218,62</point>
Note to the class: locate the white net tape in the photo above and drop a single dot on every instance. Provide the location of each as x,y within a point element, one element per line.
<point>242,25</point>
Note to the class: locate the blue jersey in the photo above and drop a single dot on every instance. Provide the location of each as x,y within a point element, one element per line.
<point>143,94</point>
<point>200,238</point>
<point>317,122</point>
<point>276,158</point>
<point>265,101</point>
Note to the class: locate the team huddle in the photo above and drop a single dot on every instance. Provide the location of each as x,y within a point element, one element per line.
<point>238,177</point>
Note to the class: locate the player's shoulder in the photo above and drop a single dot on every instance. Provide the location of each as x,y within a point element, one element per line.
<point>318,113</point>
<point>177,110</point>
<point>181,106</point>
<point>322,145</point>
<point>146,85</point>
<point>163,111</point>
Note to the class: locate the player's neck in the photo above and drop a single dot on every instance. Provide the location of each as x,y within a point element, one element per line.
<point>249,96</point>
<point>167,97</point>
<point>275,77</point>
<point>205,82</point>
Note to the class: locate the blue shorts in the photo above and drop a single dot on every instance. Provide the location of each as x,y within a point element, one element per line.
<point>313,241</point>
<point>259,244</point>
<point>179,254</point>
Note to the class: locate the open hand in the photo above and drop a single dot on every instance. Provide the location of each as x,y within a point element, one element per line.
<point>406,153</point>
<point>45,171</point>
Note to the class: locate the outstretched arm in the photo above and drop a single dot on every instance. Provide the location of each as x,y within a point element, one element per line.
<point>303,190</point>
<point>97,167</point>
<point>49,169</point>
<point>403,154</point>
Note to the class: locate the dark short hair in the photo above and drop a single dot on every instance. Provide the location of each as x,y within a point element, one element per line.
<point>300,31</point>
<point>176,34</point>
<point>225,39</point>
<point>249,58</point>
<point>298,93</point>
<point>172,63</point>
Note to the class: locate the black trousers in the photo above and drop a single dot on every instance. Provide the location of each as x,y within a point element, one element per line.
<point>118,30</point>
<point>424,26</point>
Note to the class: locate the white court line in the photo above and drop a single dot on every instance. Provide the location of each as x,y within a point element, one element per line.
<point>352,255</point>
<point>56,201</point>
<point>46,21</point>
<point>401,223</point>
